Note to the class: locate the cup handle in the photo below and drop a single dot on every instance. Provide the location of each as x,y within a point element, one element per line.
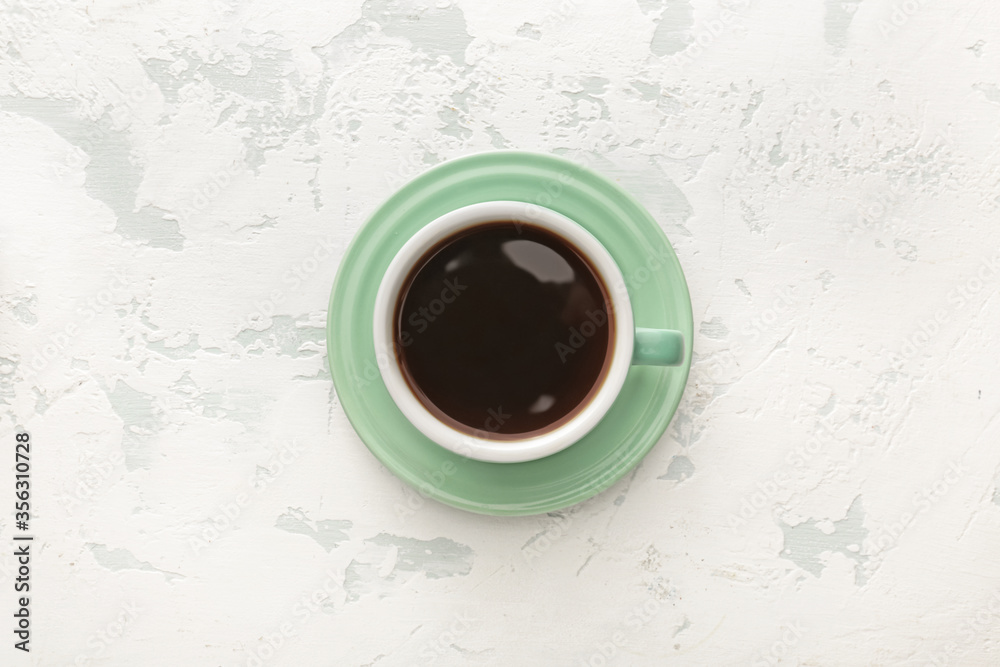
<point>658,347</point>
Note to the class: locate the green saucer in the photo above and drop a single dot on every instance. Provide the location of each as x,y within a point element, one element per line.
<point>646,403</point>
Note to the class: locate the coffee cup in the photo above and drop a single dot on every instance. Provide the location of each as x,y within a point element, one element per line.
<point>508,331</point>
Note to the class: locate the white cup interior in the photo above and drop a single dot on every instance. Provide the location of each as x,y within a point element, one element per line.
<point>480,445</point>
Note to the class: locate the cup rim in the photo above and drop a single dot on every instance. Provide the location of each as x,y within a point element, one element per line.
<point>508,450</point>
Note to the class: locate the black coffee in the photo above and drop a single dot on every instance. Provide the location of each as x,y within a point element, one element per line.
<point>503,329</point>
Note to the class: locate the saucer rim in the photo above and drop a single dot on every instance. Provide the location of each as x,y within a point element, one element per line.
<point>367,410</point>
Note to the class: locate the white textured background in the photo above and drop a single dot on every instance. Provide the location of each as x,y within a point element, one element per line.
<point>179,181</point>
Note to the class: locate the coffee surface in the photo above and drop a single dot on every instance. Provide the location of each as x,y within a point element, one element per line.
<point>503,330</point>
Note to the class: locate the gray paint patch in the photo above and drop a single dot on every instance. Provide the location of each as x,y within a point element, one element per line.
<point>226,114</point>
<point>388,559</point>
<point>680,468</point>
<point>827,407</point>
<point>776,157</point>
<point>316,190</point>
<point>112,175</point>
<point>435,558</point>
<point>594,85</point>
<point>497,140</point>
<point>456,118</point>
<point>169,83</point>
<point>148,323</point>
<point>327,533</point>
<point>260,74</point>
<point>990,91</point>
<point>648,91</point>
<point>258,82</point>
<point>905,250</point>
<point>185,351</point>
<point>141,419</point>
<point>243,407</point>
<point>123,559</point>
<point>529,31</point>
<point>41,401</point>
<point>134,407</point>
<point>753,219</point>
<point>714,329</point>
<point>805,543</point>
<point>751,108</point>
<point>839,14</point>
<point>673,32</point>
<point>591,88</point>
<point>322,373</point>
<point>433,30</point>
<point>22,310</point>
<point>285,336</point>
<point>451,124</point>
<point>685,430</point>
<point>8,366</point>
